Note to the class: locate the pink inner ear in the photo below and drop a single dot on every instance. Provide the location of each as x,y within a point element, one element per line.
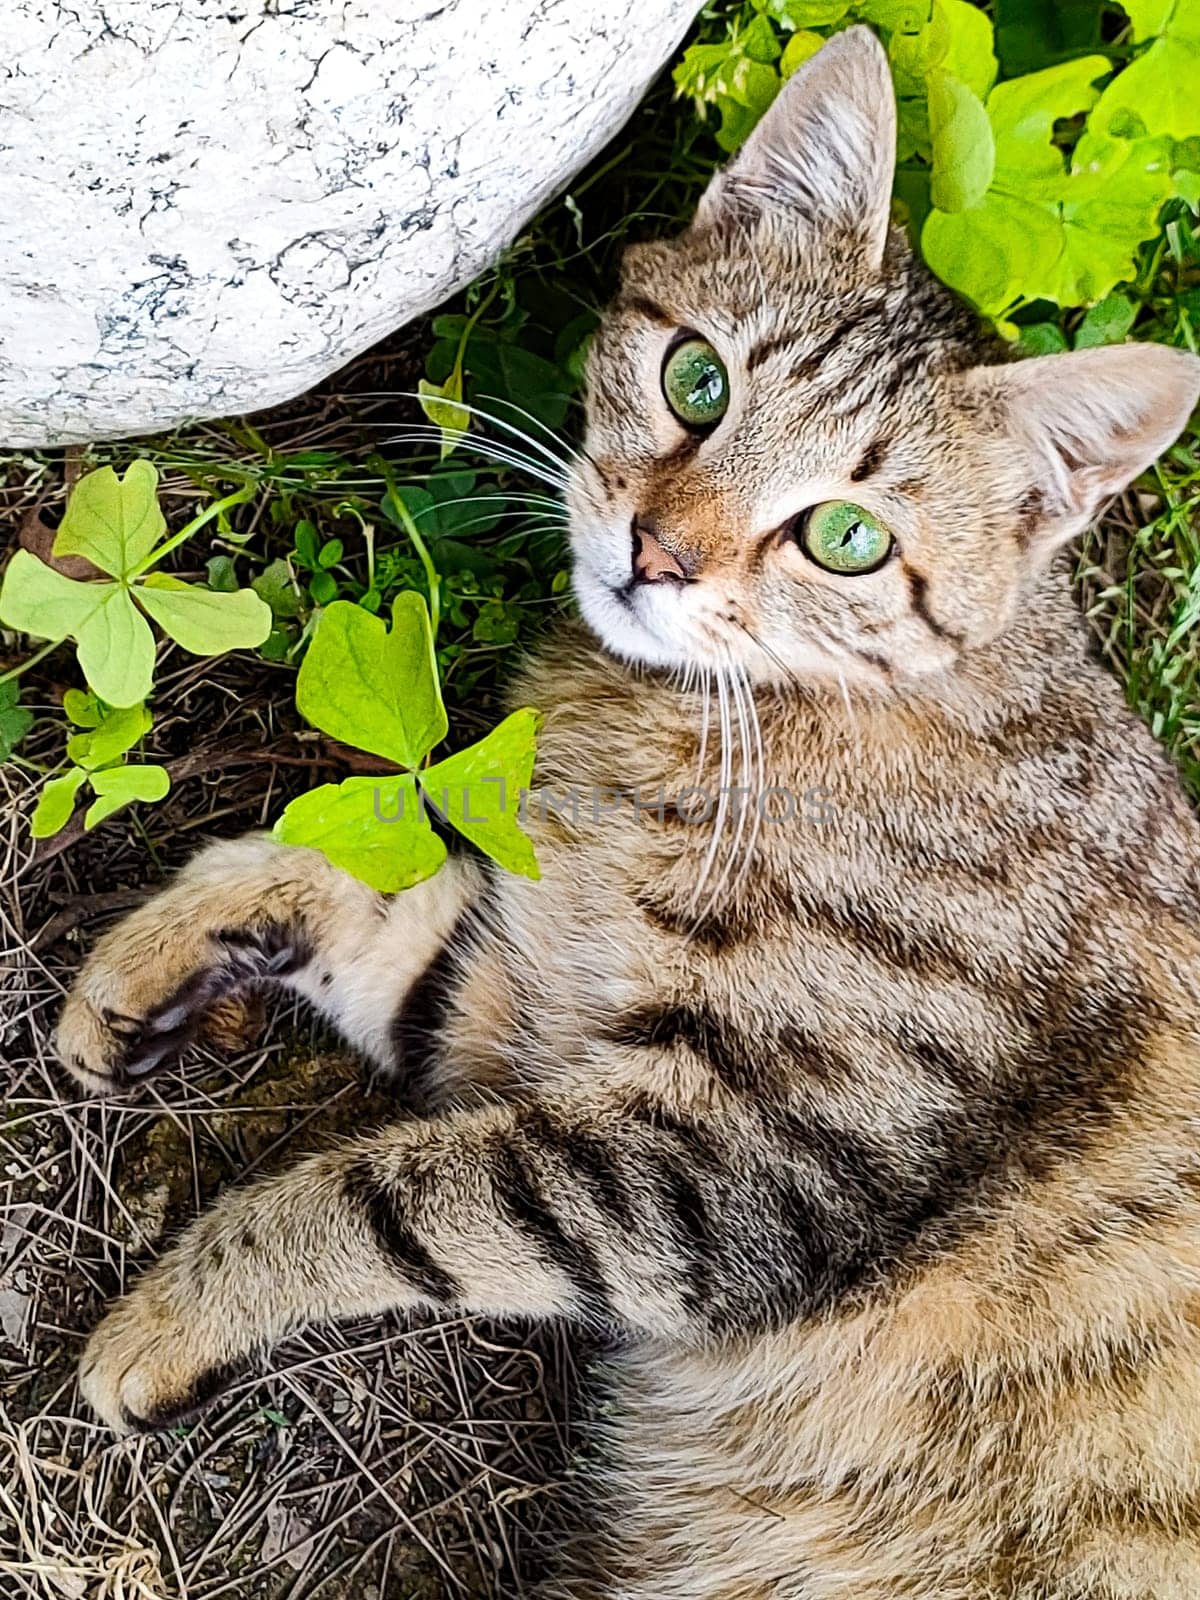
<point>1088,422</point>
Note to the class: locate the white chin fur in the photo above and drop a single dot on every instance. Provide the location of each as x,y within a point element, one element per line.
<point>619,629</point>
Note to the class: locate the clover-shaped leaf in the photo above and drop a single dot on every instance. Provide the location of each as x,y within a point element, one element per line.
<point>120,786</point>
<point>1045,229</point>
<point>205,622</point>
<point>372,686</point>
<point>113,522</point>
<point>97,754</point>
<point>109,738</point>
<point>375,828</point>
<point>479,790</point>
<point>1158,88</point>
<point>55,803</point>
<point>117,525</point>
<point>377,688</point>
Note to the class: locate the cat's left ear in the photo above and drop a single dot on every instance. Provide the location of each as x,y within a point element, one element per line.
<point>1078,428</point>
<point>824,153</point>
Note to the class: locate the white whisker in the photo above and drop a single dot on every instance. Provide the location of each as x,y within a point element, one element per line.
<point>706,684</point>
<point>760,778</point>
<point>746,787</point>
<point>490,449</point>
<point>568,451</point>
<point>724,778</point>
<point>539,445</point>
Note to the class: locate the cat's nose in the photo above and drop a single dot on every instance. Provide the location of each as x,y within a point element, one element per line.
<point>652,561</point>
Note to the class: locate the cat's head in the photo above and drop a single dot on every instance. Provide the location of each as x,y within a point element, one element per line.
<point>798,456</point>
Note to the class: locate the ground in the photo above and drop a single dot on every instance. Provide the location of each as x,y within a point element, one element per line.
<point>370,1460</point>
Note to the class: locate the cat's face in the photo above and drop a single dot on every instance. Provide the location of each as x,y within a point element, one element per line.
<point>794,461</point>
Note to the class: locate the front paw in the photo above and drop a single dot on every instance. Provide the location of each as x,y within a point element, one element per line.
<point>148,1365</point>
<point>142,997</point>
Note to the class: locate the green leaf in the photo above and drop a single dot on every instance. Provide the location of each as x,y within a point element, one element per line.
<point>801,47</point>
<point>113,522</point>
<point>205,623</point>
<point>442,404</point>
<point>983,253</point>
<point>116,732</point>
<point>479,790</point>
<point>1031,34</point>
<point>120,786</point>
<point>1042,339</point>
<point>523,379</point>
<point>116,648</point>
<point>376,829</point>
<point>891,14</point>
<point>1152,17</point>
<point>968,54</point>
<point>82,708</point>
<point>1161,87</point>
<point>56,803</point>
<point>951,36</point>
<point>15,719</point>
<point>372,687</point>
<point>804,13</point>
<point>274,585</point>
<point>36,599</point>
<point>1041,231</point>
<point>1107,322</point>
<point>964,152</point>
<point>222,578</point>
<point>307,542</point>
<point>1023,113</point>
<point>323,588</point>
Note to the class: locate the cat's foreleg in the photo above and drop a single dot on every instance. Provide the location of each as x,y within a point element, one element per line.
<point>612,1216</point>
<point>243,912</point>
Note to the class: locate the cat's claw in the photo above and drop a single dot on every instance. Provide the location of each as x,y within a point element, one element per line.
<point>108,1046</point>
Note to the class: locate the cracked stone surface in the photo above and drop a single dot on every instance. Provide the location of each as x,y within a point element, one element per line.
<point>212,204</point>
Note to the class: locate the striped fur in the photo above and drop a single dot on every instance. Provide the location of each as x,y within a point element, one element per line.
<point>880,1167</point>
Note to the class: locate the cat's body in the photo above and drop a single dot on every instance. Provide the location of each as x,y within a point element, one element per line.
<point>872,1135</point>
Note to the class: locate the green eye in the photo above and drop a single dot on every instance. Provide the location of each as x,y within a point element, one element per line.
<point>695,383</point>
<point>842,537</point>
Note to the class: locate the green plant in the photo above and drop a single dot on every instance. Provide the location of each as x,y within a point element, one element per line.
<point>117,525</point>
<point>15,719</point>
<point>97,755</point>
<point>1041,187</point>
<point>377,689</point>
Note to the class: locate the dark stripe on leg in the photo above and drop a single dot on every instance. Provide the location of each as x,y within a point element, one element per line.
<point>521,1196</point>
<point>417,1027</point>
<point>396,1237</point>
<point>184,1407</point>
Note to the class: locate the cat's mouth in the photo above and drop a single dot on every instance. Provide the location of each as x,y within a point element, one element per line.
<point>633,622</point>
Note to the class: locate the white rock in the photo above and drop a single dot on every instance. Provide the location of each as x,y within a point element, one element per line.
<point>209,205</point>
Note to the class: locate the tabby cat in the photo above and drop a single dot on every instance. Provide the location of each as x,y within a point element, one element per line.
<point>867,1131</point>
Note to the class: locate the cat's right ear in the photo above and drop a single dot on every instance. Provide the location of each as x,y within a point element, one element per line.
<point>824,153</point>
